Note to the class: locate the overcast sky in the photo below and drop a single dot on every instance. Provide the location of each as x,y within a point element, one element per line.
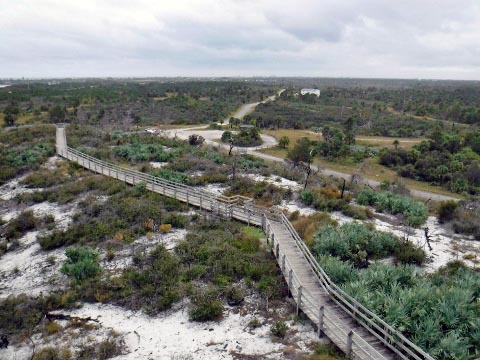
<point>348,38</point>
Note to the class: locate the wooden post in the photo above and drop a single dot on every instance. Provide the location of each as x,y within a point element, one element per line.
<point>290,280</point>
<point>201,208</point>
<point>299,298</point>
<point>349,344</point>
<point>278,250</point>
<point>283,263</point>
<point>321,313</point>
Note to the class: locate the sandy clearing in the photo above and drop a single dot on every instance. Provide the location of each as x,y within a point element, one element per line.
<point>171,334</point>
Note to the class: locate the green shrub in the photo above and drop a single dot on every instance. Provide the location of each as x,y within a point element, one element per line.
<point>324,199</point>
<point>467,219</point>
<point>139,152</point>
<point>294,216</point>
<point>415,212</point>
<point>19,315</point>
<point>434,311</point>
<point>44,179</point>
<point>254,323</point>
<point>52,353</point>
<point>82,263</point>
<point>446,211</point>
<point>270,286</point>
<point>325,352</point>
<point>108,348</point>
<point>234,295</point>
<point>171,175</point>
<point>24,222</point>
<point>279,329</point>
<point>408,253</point>
<point>152,284</point>
<point>243,138</point>
<point>206,305</point>
<point>357,212</point>
<point>176,220</point>
<point>354,242</point>
<point>265,193</point>
<point>340,272</point>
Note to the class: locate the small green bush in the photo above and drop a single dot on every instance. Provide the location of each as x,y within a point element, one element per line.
<point>446,211</point>
<point>206,305</point>
<point>234,295</point>
<point>408,253</point>
<point>254,323</point>
<point>25,221</point>
<point>82,263</point>
<point>357,212</point>
<point>279,329</point>
<point>108,348</point>
<point>176,220</point>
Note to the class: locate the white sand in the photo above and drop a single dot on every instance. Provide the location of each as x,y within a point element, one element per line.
<point>276,180</point>
<point>171,334</point>
<point>158,165</point>
<point>26,269</point>
<point>296,205</point>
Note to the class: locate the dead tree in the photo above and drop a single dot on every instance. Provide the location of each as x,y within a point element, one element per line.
<point>427,237</point>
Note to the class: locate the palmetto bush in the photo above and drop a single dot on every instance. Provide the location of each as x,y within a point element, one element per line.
<point>415,212</point>
<point>438,312</point>
<point>138,152</point>
<point>354,242</point>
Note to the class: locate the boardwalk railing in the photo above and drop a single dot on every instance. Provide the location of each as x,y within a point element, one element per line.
<point>392,338</point>
<point>243,209</point>
<point>238,207</point>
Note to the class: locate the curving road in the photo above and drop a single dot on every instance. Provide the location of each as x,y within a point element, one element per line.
<point>248,108</point>
<point>269,141</point>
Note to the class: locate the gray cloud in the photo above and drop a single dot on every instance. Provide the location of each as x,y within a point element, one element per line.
<point>363,38</point>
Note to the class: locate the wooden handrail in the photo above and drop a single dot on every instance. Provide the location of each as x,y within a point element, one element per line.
<point>396,340</point>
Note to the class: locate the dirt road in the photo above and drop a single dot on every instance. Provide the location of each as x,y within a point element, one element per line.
<point>269,141</point>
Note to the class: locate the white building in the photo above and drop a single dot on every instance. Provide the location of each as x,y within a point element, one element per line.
<point>310,91</point>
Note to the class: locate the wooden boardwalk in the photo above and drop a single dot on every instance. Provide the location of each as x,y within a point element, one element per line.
<point>353,328</point>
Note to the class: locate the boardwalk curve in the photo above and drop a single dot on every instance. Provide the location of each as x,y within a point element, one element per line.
<point>358,332</point>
